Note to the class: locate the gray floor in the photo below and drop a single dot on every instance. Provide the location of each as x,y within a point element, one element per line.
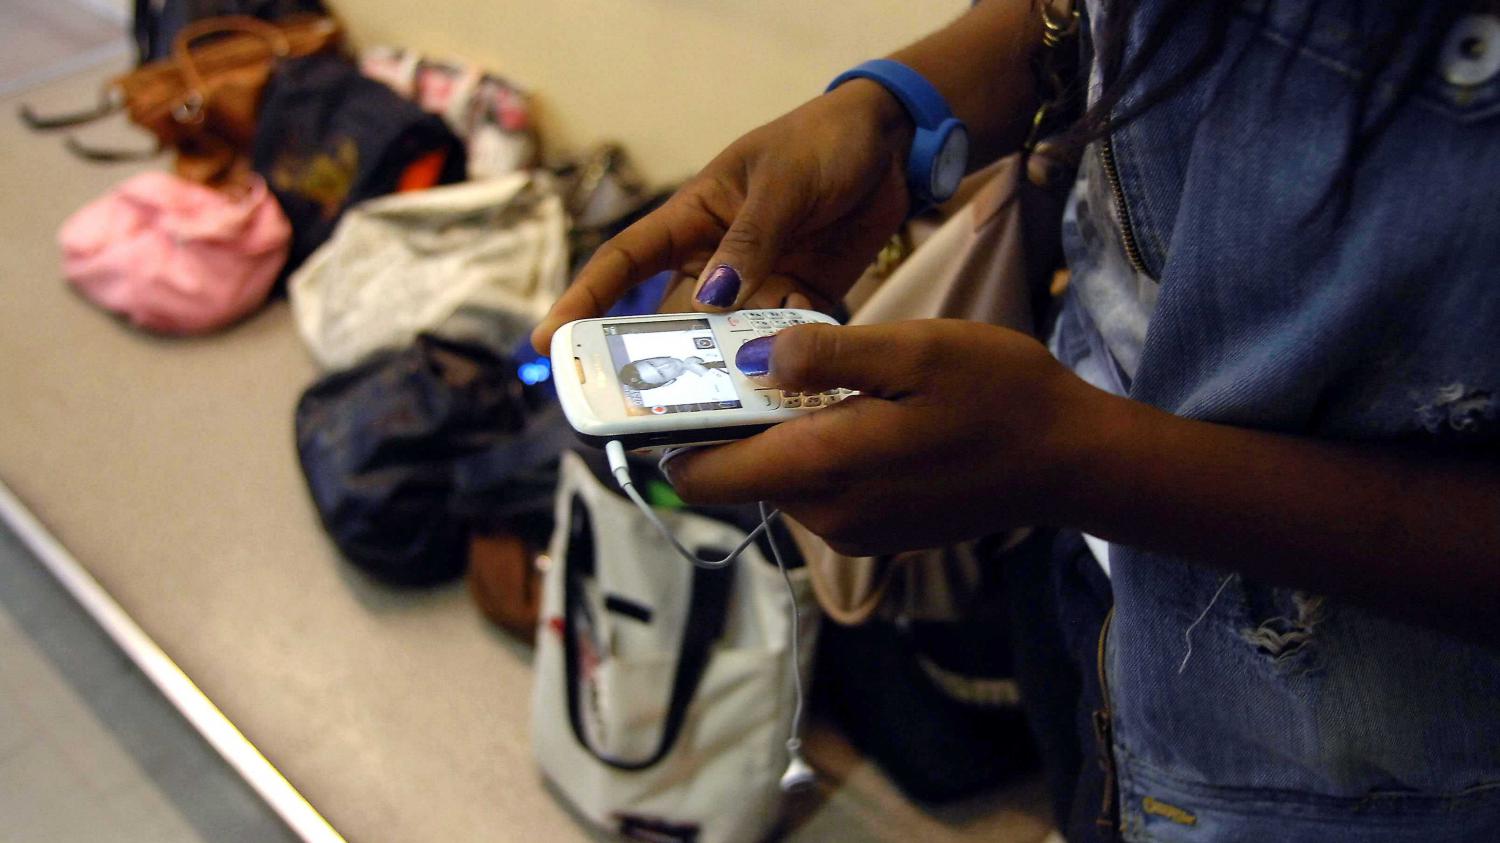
<point>88,749</point>
<point>41,40</point>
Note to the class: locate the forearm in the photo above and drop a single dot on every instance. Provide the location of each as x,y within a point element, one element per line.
<point>1415,534</point>
<point>981,63</point>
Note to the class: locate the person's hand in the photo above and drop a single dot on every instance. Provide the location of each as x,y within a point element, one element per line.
<point>961,429</point>
<point>788,216</point>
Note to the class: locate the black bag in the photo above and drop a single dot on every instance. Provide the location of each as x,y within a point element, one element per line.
<point>330,137</point>
<point>935,703</point>
<point>403,453</point>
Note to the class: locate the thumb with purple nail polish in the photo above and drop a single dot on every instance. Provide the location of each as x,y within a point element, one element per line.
<point>754,358</point>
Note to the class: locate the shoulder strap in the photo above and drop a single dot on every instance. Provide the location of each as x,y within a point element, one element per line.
<point>705,623</point>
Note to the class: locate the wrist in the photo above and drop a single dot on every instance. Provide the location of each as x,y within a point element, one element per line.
<point>938,154</point>
<point>1095,448</point>
<point>879,108</point>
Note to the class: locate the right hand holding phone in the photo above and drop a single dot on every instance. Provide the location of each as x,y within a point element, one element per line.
<point>788,215</point>
<point>960,429</point>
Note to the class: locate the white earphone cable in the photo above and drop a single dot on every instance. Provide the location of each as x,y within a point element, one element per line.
<point>794,743</point>
<point>620,469</point>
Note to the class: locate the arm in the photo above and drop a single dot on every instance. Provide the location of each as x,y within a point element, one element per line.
<point>1414,533</point>
<point>966,429</point>
<point>794,211</point>
<point>981,63</point>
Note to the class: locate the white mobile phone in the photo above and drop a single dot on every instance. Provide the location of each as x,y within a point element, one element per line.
<point>670,378</point>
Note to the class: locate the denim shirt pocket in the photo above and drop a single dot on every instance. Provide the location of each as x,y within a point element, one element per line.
<point>1464,83</point>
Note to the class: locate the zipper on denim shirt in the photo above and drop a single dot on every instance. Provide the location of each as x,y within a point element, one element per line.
<point>1108,820</point>
<point>1122,211</point>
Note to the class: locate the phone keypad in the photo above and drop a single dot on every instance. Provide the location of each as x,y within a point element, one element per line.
<point>771,321</point>
<point>768,322</point>
<point>814,399</point>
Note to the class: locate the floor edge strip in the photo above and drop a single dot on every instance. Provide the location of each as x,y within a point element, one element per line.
<point>180,690</point>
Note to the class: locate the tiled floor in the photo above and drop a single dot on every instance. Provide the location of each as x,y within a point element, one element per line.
<point>89,750</point>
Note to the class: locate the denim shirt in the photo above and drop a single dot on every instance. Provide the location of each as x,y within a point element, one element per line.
<point>1293,716</point>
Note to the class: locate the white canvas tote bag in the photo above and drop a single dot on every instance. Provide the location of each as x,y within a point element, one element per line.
<point>663,692</point>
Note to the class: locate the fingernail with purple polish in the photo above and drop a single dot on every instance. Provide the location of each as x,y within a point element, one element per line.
<point>754,357</point>
<point>721,288</point>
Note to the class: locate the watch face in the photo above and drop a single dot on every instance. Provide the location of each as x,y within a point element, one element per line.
<point>952,161</point>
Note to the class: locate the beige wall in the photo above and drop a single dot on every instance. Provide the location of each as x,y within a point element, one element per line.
<point>675,80</point>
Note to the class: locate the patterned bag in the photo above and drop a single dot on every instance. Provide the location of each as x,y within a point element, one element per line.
<point>490,114</point>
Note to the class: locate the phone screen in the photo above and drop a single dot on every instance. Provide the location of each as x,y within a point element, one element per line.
<point>671,366</point>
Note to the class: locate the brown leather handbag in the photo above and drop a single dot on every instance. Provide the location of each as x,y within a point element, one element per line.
<point>505,579</point>
<point>203,101</point>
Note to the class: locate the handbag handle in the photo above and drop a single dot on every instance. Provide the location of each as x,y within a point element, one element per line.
<point>190,110</point>
<point>705,623</point>
<point>110,101</point>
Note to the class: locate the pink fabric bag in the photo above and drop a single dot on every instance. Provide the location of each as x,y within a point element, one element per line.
<point>174,256</point>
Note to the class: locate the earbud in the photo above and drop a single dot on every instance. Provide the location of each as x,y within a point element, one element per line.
<point>799,776</point>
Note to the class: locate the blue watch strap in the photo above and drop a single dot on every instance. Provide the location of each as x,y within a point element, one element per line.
<point>922,101</point>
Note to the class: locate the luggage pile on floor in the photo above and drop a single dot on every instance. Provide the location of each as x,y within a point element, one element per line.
<point>400,203</point>
<point>273,133</point>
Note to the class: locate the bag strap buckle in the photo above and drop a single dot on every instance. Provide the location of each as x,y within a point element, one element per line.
<point>190,110</point>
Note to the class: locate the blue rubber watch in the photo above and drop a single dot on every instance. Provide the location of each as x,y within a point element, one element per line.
<point>940,150</point>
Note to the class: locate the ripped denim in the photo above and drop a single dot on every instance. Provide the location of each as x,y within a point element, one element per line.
<point>1297,718</point>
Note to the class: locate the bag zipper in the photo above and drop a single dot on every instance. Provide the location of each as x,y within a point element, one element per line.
<point>1122,213</point>
<point>1108,819</point>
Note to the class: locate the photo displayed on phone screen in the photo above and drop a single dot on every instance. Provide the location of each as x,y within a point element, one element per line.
<point>669,367</point>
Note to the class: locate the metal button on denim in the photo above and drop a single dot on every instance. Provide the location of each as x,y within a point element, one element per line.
<point>1471,52</point>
